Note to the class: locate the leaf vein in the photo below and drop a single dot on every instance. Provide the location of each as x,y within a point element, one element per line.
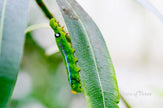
<point>2,23</point>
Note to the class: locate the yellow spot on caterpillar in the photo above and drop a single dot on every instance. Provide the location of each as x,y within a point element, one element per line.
<point>73,92</point>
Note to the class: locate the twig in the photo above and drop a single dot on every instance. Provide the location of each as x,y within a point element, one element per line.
<point>43,7</point>
<point>48,14</point>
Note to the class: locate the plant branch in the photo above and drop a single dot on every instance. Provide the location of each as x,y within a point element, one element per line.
<point>48,14</point>
<point>43,7</point>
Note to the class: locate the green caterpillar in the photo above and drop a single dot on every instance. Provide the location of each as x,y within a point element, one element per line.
<point>65,47</point>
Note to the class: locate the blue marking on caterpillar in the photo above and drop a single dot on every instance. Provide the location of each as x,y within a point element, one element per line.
<point>68,66</point>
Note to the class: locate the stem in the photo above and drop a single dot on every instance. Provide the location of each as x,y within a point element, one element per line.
<point>48,14</point>
<point>127,105</point>
<point>36,26</point>
<point>43,7</point>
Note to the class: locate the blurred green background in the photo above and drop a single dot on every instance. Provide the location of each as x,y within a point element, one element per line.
<point>42,80</point>
<point>134,38</point>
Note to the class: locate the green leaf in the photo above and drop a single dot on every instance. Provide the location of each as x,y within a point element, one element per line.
<point>97,72</point>
<point>13,21</point>
<point>45,71</point>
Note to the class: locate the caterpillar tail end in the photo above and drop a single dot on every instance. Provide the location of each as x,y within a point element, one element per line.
<point>74,92</point>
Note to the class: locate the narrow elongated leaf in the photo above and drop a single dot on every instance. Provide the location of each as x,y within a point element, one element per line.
<point>13,20</point>
<point>97,72</point>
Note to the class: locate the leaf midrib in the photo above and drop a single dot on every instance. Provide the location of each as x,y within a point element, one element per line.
<point>2,23</point>
<point>91,52</point>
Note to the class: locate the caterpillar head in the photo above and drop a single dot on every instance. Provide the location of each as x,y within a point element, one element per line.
<point>59,34</point>
<point>53,24</point>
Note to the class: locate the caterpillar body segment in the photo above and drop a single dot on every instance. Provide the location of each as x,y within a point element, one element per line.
<point>64,44</point>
